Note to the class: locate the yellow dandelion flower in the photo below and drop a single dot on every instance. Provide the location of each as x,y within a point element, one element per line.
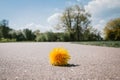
<point>59,57</point>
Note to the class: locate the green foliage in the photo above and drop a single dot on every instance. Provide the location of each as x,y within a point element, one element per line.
<point>13,34</point>
<point>4,29</point>
<point>28,35</point>
<point>20,36</point>
<point>41,37</point>
<point>101,43</point>
<point>112,30</point>
<point>1,33</point>
<point>63,37</point>
<point>7,40</point>
<point>50,36</point>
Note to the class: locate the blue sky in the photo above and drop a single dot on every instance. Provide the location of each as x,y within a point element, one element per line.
<point>42,14</point>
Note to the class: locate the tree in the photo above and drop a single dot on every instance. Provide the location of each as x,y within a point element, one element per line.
<point>112,29</point>
<point>1,35</point>
<point>4,29</point>
<point>29,35</point>
<point>81,22</point>
<point>63,36</point>
<point>36,32</point>
<point>50,36</point>
<point>13,34</point>
<point>4,22</point>
<point>19,36</point>
<point>74,20</point>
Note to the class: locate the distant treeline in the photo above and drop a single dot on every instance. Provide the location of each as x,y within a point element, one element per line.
<point>8,34</point>
<point>75,23</point>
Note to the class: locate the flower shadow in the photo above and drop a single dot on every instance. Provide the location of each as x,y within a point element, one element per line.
<point>70,65</point>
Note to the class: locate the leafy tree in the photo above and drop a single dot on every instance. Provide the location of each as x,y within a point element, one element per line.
<point>41,37</point>
<point>74,20</point>
<point>13,34</point>
<point>50,36</point>
<point>91,34</point>
<point>112,29</point>
<point>20,36</point>
<point>62,36</point>
<point>47,36</point>
<point>4,22</point>
<point>36,32</point>
<point>4,29</point>
<point>28,34</point>
<point>81,20</point>
<point>1,32</point>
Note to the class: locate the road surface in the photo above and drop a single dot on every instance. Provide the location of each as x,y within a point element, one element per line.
<point>29,61</point>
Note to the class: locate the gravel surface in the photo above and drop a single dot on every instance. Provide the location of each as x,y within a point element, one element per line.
<point>29,61</point>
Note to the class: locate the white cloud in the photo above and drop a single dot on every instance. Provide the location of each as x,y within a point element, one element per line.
<point>99,6</point>
<point>54,19</point>
<point>100,25</point>
<point>51,21</point>
<point>102,11</point>
<point>33,27</point>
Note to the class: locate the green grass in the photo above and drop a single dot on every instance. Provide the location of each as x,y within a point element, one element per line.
<point>101,43</point>
<point>7,40</point>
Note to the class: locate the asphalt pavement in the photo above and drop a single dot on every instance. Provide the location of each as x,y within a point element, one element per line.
<point>30,61</point>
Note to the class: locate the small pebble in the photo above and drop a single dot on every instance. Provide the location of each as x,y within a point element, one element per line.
<point>16,78</point>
